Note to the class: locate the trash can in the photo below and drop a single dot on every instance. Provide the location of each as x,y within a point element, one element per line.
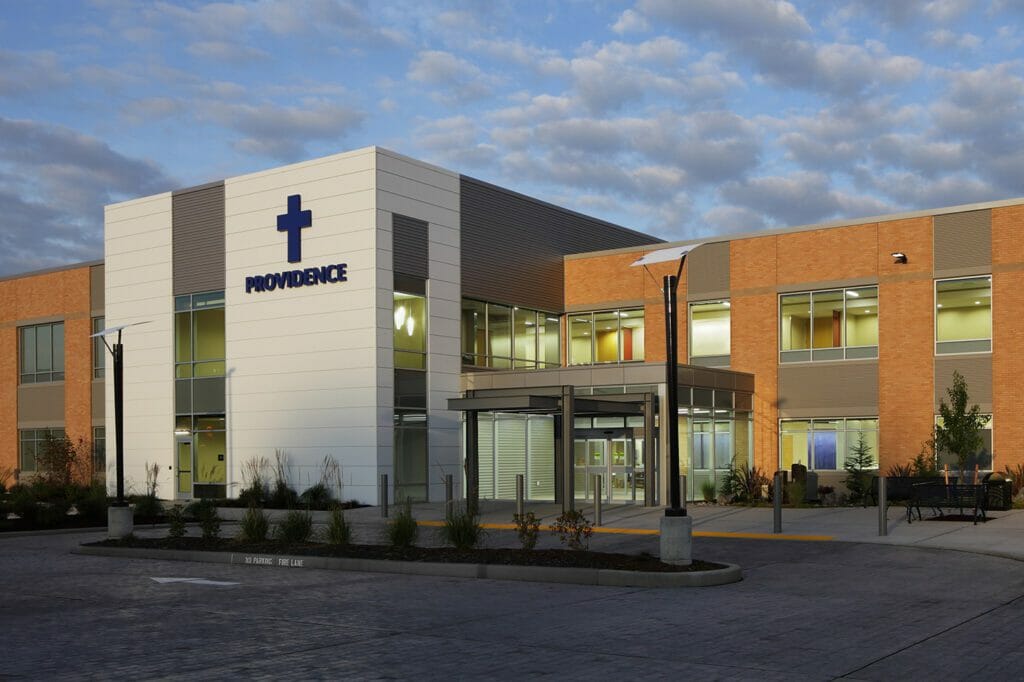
<point>998,491</point>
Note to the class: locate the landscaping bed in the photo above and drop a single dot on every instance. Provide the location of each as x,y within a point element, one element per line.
<point>552,558</point>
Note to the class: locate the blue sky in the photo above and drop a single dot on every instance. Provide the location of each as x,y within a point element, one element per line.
<point>681,118</point>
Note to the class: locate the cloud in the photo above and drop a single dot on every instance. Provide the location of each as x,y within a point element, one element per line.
<point>25,72</point>
<point>943,38</point>
<point>456,80</point>
<point>631,21</point>
<point>54,183</point>
<point>740,19</point>
<point>282,132</point>
<point>149,109</point>
<point>223,51</point>
<point>800,198</point>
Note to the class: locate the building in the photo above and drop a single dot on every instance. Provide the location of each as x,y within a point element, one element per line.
<point>395,318</point>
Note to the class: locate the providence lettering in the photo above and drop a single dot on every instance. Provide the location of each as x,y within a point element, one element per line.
<point>292,279</point>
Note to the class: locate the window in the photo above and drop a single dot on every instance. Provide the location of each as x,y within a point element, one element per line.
<point>99,350</point>
<point>42,353</point>
<point>199,335</point>
<point>829,325</point>
<point>710,333</point>
<point>410,339</point>
<point>824,444</point>
<point>604,337</point>
<point>506,337</point>
<point>31,442</point>
<point>982,458</point>
<point>99,449</point>
<point>963,315</point>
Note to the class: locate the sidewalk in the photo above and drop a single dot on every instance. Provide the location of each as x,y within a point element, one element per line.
<point>1002,535</point>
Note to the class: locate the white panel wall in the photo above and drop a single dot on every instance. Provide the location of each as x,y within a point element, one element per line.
<point>137,252</point>
<point>302,363</point>
<point>425,192</point>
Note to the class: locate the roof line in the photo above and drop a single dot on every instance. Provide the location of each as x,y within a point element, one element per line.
<point>57,268</point>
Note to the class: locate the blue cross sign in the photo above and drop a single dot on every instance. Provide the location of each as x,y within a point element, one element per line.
<point>292,222</point>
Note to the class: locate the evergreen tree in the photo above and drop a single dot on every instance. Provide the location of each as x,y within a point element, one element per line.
<point>858,464</point>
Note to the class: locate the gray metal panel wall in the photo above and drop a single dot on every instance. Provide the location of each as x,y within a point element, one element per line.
<point>962,240</point>
<point>977,372</point>
<point>512,245</point>
<point>99,400</point>
<point>197,220</point>
<point>97,302</point>
<point>41,403</point>
<point>708,271</point>
<point>836,389</point>
<point>410,242</point>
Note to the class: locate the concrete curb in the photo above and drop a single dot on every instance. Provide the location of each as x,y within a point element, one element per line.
<point>547,574</point>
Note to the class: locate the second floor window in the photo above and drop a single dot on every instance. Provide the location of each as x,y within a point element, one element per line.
<point>42,353</point>
<point>963,315</point>
<point>710,333</point>
<point>199,335</point>
<point>609,336</point>
<point>829,325</point>
<point>99,350</point>
<point>507,337</point>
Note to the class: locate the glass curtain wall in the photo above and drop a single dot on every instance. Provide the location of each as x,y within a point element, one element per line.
<point>507,337</point>
<point>199,371</point>
<point>606,337</point>
<point>410,397</point>
<point>713,437</point>
<point>824,444</point>
<point>829,325</point>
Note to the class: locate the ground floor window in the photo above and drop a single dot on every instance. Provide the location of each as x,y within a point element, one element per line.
<point>711,441</point>
<point>824,444</point>
<point>31,443</point>
<point>410,455</point>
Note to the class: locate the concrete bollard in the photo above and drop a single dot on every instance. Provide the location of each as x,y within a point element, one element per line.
<point>520,496</point>
<point>120,522</point>
<point>883,507</point>
<point>777,501</point>
<point>676,541</point>
<point>597,499</point>
<point>383,495</point>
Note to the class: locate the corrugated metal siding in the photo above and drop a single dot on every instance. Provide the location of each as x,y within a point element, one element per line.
<point>833,388</point>
<point>977,372</point>
<point>410,246</point>
<point>962,240</point>
<point>708,271</point>
<point>197,220</point>
<point>512,245</point>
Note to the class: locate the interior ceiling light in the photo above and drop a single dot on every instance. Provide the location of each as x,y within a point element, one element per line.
<point>852,293</point>
<point>400,314</point>
<point>410,324</point>
<point>727,304</point>
<point>899,257</point>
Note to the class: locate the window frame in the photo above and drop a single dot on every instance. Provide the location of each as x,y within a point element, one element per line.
<point>99,349</point>
<point>593,337</point>
<point>38,437</point>
<point>810,350</point>
<point>38,377</point>
<point>511,361</point>
<point>846,432</point>
<point>689,332</point>
<point>935,318</point>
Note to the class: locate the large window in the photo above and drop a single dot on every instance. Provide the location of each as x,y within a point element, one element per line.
<point>42,352</point>
<point>829,325</point>
<point>824,444</point>
<point>99,450</point>
<point>609,336</point>
<point>99,350</point>
<point>199,335</point>
<point>31,443</point>
<point>506,337</point>
<point>709,333</point>
<point>963,315</point>
<point>410,331</point>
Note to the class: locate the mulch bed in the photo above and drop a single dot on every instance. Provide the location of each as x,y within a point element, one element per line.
<point>563,558</point>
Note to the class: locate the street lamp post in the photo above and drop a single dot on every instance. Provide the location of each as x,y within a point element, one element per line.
<point>119,514</point>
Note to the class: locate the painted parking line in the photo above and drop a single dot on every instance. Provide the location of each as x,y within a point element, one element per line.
<point>193,581</point>
<point>650,531</point>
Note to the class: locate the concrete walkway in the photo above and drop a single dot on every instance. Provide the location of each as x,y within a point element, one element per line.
<point>1002,535</point>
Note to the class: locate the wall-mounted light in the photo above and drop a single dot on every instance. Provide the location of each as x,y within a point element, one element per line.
<point>899,258</point>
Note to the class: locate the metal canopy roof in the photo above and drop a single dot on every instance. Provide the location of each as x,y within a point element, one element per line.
<point>544,403</point>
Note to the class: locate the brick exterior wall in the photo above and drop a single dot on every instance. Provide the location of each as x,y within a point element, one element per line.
<point>1008,335</point>
<point>61,294</point>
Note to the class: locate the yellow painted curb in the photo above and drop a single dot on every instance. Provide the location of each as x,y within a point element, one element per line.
<point>651,531</point>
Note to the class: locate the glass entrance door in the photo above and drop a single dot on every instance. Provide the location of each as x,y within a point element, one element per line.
<point>183,475</point>
<point>617,458</point>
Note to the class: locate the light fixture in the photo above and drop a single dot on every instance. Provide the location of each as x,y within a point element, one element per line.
<point>410,323</point>
<point>852,293</point>
<point>898,257</point>
<point>400,314</point>
<point>977,303</point>
<point>939,305</point>
<point>727,304</point>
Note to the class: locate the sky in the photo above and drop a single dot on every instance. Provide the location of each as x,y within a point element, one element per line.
<point>679,118</point>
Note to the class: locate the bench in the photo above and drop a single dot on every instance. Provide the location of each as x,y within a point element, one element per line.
<point>939,496</point>
<point>899,488</point>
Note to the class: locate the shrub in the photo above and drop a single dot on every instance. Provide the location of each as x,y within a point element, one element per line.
<point>147,506</point>
<point>24,503</point>
<point>296,526</point>
<point>573,529</point>
<point>462,530</point>
<point>255,525</point>
<point>797,491</point>
<point>317,496</point>
<point>205,511</point>
<point>339,532</point>
<point>254,477</point>
<point>92,503</point>
<point>900,471</point>
<point>6,474</point>
<point>708,490</point>
<point>1016,474</point>
<point>402,529</point>
<point>527,529</point>
<point>741,484</point>
<point>176,519</point>
<point>60,460</point>
<point>923,463</point>
<point>858,464</point>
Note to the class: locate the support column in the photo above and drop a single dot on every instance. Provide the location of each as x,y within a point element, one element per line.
<point>472,461</point>
<point>568,426</point>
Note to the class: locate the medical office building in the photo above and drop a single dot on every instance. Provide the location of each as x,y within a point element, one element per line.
<point>406,320</point>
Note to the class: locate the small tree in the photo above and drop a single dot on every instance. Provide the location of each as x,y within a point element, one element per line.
<point>61,461</point>
<point>959,434</point>
<point>858,463</point>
